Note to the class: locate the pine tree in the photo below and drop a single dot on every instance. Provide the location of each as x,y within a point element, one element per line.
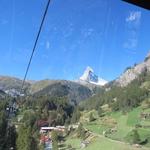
<point>11,137</point>
<point>100,112</point>
<point>54,136</point>
<point>81,131</point>
<point>136,137</point>
<point>91,117</point>
<point>75,116</point>
<point>24,140</point>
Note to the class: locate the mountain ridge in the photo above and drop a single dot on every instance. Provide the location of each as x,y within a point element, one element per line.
<point>132,73</point>
<point>71,89</point>
<point>12,85</point>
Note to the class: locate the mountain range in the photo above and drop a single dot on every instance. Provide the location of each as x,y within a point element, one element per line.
<point>73,90</point>
<point>77,90</point>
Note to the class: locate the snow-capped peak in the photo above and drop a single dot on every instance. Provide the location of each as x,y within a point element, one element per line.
<point>90,77</point>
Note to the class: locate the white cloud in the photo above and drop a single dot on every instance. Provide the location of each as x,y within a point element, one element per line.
<point>132,27</point>
<point>134,16</point>
<point>47,45</point>
<point>87,32</point>
<point>131,43</point>
<point>67,32</point>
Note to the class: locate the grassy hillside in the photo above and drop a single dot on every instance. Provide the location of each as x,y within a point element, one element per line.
<point>114,130</point>
<point>102,143</point>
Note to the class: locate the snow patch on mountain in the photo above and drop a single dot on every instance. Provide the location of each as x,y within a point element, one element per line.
<point>89,77</point>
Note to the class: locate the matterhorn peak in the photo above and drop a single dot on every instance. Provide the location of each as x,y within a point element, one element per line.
<point>90,77</point>
<point>86,73</point>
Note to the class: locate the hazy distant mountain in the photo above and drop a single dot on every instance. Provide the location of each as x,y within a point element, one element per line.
<point>11,85</point>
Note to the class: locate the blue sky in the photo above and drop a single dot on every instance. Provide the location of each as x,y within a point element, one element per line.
<point>105,35</point>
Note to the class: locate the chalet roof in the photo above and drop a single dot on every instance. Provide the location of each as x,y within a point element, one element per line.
<point>52,128</point>
<point>48,128</point>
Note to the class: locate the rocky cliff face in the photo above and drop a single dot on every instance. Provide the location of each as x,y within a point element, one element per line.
<point>132,73</point>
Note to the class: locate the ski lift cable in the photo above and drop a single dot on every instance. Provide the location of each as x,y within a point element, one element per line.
<point>35,44</point>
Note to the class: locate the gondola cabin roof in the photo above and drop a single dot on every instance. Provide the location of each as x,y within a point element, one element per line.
<point>141,3</point>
